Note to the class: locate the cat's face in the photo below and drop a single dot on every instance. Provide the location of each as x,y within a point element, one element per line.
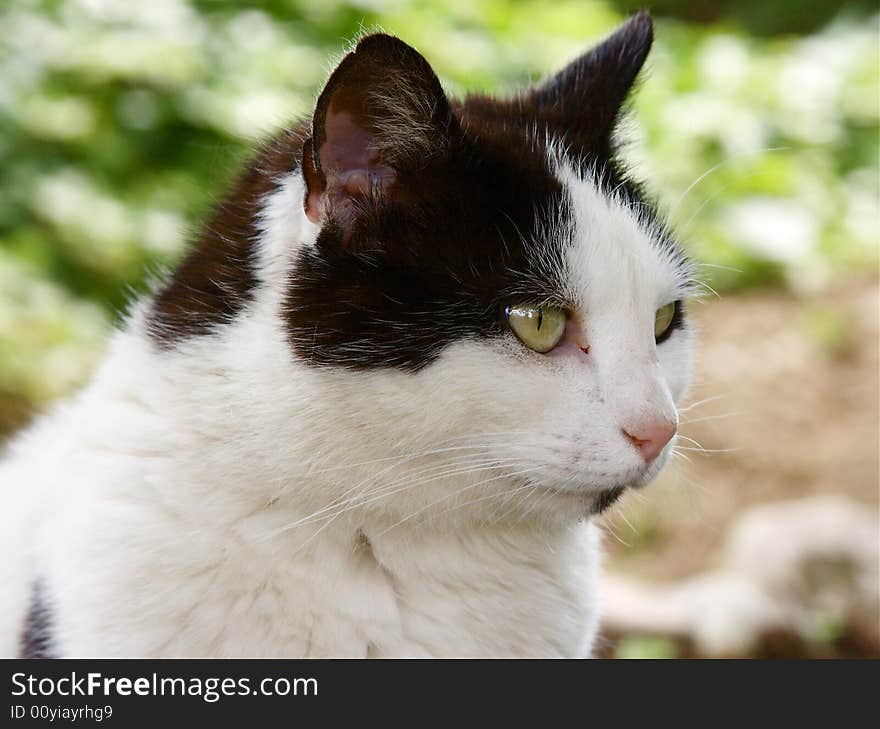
<point>597,412</point>
<point>494,289</point>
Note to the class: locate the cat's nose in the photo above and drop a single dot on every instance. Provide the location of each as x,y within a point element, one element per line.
<point>650,436</point>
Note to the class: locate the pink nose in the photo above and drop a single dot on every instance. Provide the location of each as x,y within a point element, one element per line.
<point>650,436</point>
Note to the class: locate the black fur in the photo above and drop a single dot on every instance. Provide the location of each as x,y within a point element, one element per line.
<point>216,280</point>
<point>424,273</point>
<point>36,634</point>
<point>445,230</point>
<point>606,500</point>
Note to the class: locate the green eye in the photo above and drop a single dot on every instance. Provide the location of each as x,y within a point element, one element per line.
<point>538,327</point>
<point>663,321</point>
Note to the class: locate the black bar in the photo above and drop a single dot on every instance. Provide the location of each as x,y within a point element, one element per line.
<point>423,692</point>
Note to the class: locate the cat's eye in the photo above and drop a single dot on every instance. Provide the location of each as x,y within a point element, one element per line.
<point>538,327</point>
<point>663,320</point>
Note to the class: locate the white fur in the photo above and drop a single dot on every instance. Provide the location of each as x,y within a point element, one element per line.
<point>226,499</point>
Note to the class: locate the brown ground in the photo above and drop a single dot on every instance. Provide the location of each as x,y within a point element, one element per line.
<point>795,382</point>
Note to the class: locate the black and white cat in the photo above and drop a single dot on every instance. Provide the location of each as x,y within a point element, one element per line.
<point>421,342</point>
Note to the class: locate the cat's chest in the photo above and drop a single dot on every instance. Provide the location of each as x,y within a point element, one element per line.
<point>492,595</point>
<point>334,593</point>
<point>442,597</point>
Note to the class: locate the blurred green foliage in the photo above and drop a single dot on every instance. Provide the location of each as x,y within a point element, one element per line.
<point>122,121</point>
<point>646,646</point>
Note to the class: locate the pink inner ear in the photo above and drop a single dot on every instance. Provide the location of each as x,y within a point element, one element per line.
<point>347,145</point>
<point>350,163</point>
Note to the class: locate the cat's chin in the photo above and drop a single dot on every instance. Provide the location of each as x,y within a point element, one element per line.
<point>596,503</point>
<point>583,502</point>
<point>595,499</point>
<point>607,497</point>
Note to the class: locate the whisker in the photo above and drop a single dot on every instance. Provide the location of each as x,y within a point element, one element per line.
<point>405,459</point>
<point>708,288</point>
<point>703,264</point>
<point>335,516</point>
<point>606,527</point>
<point>686,421</point>
<point>717,167</point>
<point>456,493</point>
<point>690,440</point>
<point>713,196</point>
<point>622,515</point>
<point>700,402</point>
<point>708,451</point>
<point>338,507</point>
<point>417,454</point>
<point>676,452</point>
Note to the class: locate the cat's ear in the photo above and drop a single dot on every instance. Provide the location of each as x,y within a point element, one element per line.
<point>583,101</point>
<point>382,113</point>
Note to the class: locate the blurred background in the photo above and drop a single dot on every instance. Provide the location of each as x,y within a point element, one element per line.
<point>121,122</point>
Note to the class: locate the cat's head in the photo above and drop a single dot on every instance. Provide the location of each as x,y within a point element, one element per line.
<point>487,276</point>
<point>479,306</point>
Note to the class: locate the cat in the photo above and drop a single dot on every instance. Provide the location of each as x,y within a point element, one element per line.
<point>417,348</point>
